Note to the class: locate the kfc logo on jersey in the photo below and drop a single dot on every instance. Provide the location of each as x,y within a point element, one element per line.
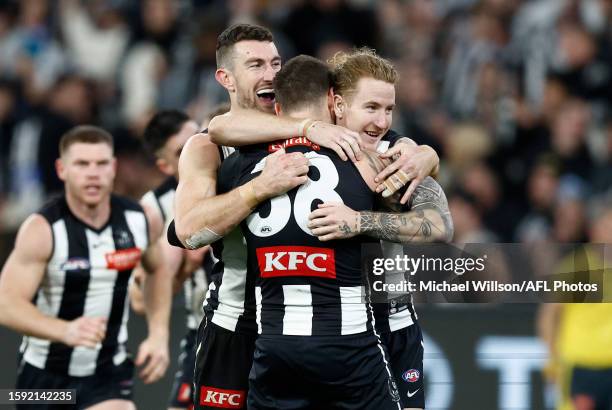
<point>292,142</point>
<point>276,261</point>
<point>225,399</point>
<point>411,375</point>
<point>123,259</point>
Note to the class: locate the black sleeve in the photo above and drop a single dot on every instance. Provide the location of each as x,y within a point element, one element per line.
<point>172,238</point>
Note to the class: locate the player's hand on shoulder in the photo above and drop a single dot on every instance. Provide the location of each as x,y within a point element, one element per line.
<point>281,173</point>
<point>85,331</point>
<point>411,163</point>
<point>153,358</point>
<point>333,220</point>
<point>346,143</point>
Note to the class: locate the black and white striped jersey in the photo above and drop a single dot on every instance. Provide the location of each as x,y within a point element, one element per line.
<point>230,300</point>
<point>88,275</point>
<point>398,313</point>
<point>304,286</point>
<point>194,288</point>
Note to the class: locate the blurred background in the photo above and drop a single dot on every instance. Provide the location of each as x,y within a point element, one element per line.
<point>514,95</point>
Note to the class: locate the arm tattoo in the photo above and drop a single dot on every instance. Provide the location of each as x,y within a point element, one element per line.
<point>344,228</point>
<point>375,162</point>
<point>429,218</point>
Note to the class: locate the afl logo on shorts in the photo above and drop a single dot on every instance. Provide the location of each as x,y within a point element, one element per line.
<point>411,375</point>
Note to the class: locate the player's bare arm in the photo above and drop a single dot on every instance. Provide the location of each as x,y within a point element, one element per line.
<point>153,352</point>
<point>201,217</point>
<point>19,281</point>
<point>411,164</point>
<point>428,220</point>
<point>244,127</point>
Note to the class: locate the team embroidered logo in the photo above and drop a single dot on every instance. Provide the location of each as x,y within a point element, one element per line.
<point>411,375</point>
<point>123,259</point>
<point>393,390</point>
<point>275,261</point>
<point>123,239</point>
<point>222,398</point>
<point>292,142</point>
<point>73,264</point>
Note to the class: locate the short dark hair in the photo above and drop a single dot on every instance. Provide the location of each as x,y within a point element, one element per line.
<point>88,134</point>
<point>161,127</point>
<point>302,82</point>
<point>236,33</point>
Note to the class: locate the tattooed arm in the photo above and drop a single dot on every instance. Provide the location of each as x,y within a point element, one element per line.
<point>428,219</point>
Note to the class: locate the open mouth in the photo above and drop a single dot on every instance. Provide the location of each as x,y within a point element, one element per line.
<point>92,189</point>
<point>372,134</point>
<point>266,95</point>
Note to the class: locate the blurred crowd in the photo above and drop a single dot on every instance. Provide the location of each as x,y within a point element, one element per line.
<point>515,95</point>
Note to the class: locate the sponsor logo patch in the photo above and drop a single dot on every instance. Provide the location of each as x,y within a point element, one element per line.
<point>222,398</point>
<point>277,261</point>
<point>292,142</point>
<point>123,259</point>
<point>76,264</point>
<point>411,375</point>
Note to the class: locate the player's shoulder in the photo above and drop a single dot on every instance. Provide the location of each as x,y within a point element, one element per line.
<point>54,209</point>
<point>199,153</point>
<point>122,203</point>
<point>35,237</point>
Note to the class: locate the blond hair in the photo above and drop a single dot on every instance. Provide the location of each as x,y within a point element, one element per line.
<point>349,67</point>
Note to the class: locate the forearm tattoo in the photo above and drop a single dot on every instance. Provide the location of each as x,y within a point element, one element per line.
<point>429,218</point>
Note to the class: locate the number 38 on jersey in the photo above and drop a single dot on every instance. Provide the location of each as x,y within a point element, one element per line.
<point>281,207</point>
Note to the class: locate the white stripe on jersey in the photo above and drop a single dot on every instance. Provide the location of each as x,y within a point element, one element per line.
<point>227,151</point>
<point>354,311</point>
<point>400,320</point>
<point>298,315</point>
<point>99,300</point>
<point>150,201</point>
<point>231,292</point>
<point>258,307</point>
<point>49,294</point>
<point>137,223</point>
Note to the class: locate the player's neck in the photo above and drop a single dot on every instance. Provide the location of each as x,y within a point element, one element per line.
<point>94,215</point>
<point>308,113</point>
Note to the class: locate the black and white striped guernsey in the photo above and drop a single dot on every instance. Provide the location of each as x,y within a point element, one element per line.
<point>194,288</point>
<point>398,313</point>
<point>306,287</point>
<point>230,300</point>
<point>88,275</point>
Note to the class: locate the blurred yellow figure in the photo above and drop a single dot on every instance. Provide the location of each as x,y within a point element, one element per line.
<point>579,335</point>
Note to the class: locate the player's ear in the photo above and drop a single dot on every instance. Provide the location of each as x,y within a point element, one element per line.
<point>60,169</point>
<point>224,77</point>
<point>330,98</point>
<point>277,108</point>
<point>164,166</point>
<point>339,106</point>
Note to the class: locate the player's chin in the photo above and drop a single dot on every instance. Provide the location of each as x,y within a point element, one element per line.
<point>266,105</point>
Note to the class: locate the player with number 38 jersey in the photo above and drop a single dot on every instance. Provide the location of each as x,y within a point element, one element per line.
<point>307,287</point>
<point>314,323</point>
